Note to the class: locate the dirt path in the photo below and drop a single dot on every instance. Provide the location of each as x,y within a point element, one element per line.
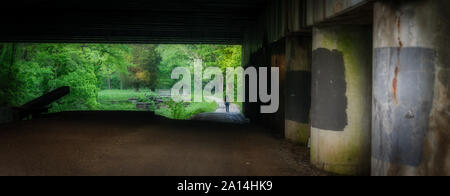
<point>220,115</point>
<point>140,144</point>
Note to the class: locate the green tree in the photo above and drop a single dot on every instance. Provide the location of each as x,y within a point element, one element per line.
<point>9,82</point>
<point>144,72</point>
<point>112,61</point>
<point>172,56</point>
<point>40,68</point>
<point>222,56</point>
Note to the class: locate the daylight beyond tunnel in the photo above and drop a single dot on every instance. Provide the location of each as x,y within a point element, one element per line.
<point>109,77</point>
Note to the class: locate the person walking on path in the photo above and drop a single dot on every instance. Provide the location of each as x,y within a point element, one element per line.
<point>227,105</point>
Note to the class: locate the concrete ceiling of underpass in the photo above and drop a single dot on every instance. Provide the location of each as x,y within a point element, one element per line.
<point>129,21</point>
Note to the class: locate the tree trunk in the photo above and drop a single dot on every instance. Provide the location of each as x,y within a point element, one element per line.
<point>13,55</point>
<point>109,82</point>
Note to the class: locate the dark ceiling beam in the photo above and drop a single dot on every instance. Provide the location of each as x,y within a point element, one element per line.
<point>142,21</point>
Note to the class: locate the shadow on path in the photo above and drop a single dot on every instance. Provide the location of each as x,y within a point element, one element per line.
<point>141,144</point>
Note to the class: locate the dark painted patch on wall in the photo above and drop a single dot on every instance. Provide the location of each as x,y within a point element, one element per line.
<point>399,128</point>
<point>298,96</point>
<point>329,102</point>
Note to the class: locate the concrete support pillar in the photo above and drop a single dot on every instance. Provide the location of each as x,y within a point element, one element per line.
<point>411,104</point>
<point>274,56</point>
<point>341,99</point>
<point>298,89</point>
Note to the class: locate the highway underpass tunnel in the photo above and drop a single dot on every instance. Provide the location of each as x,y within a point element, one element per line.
<point>363,84</point>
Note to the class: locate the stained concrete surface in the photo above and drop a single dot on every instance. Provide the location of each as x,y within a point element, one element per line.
<point>402,111</point>
<point>137,143</point>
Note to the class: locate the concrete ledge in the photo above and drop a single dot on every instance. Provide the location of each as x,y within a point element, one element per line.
<point>334,10</point>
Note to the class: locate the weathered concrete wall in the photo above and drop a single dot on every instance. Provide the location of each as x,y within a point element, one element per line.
<point>318,11</point>
<point>296,16</point>
<point>6,115</point>
<point>270,27</point>
<point>264,45</point>
<point>275,17</point>
<point>298,89</point>
<point>411,107</point>
<point>278,19</point>
<point>341,99</point>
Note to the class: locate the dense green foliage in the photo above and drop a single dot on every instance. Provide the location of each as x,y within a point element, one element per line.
<point>144,71</point>
<point>221,56</point>
<point>103,76</point>
<point>181,111</point>
<point>116,99</point>
<point>8,74</point>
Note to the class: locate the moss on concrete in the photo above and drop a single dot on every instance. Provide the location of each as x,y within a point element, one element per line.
<point>304,134</point>
<point>297,132</point>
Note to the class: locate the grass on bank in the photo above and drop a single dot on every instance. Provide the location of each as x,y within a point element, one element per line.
<point>114,100</point>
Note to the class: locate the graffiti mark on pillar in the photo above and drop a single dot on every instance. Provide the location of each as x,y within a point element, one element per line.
<point>394,85</point>
<point>329,101</point>
<point>399,51</point>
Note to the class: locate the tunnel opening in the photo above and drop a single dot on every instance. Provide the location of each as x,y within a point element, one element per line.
<point>117,77</point>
